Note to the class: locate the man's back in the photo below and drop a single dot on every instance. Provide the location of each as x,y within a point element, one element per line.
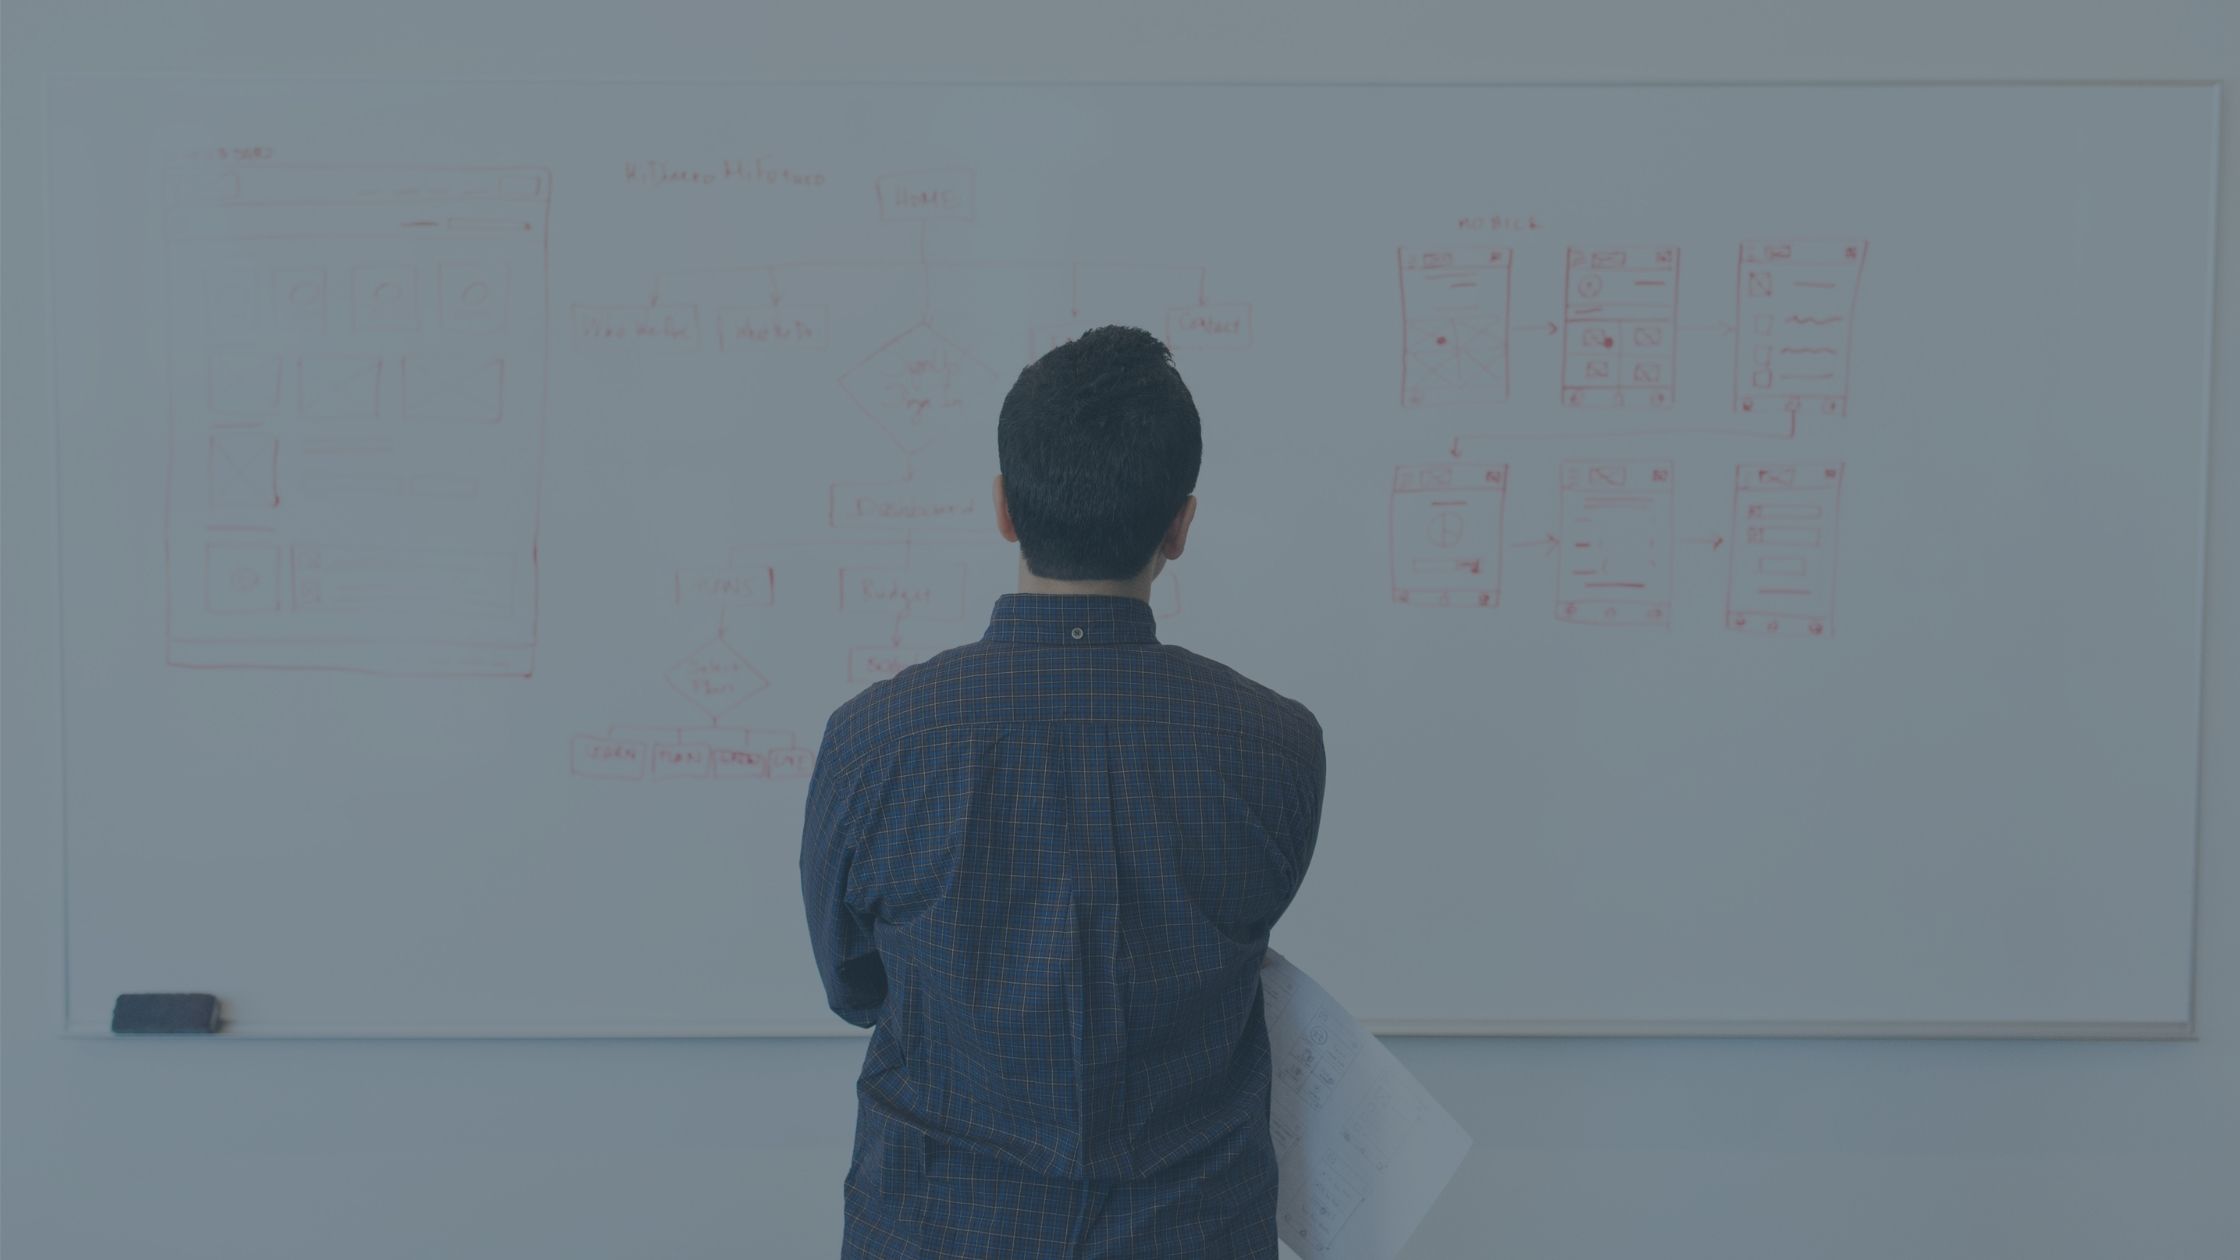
<point>1044,865</point>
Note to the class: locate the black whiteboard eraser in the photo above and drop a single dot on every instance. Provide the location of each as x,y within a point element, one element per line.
<point>164,1013</point>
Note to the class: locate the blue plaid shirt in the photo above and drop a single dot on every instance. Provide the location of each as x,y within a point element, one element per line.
<point>1042,867</point>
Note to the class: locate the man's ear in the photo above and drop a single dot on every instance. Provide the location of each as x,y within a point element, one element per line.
<point>1178,530</point>
<point>1004,526</point>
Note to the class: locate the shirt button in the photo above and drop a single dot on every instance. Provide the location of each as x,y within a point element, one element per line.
<point>1077,632</point>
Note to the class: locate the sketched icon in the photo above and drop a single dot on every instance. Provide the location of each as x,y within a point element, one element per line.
<point>473,296</point>
<point>241,578</point>
<point>385,297</point>
<point>299,295</point>
<point>244,471</point>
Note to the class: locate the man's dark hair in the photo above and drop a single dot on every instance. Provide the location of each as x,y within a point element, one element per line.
<point>1099,447</point>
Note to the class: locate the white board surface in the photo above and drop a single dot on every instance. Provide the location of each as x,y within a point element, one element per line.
<point>1744,544</point>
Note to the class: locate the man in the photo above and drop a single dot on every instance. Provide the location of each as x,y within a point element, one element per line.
<point>1042,868</point>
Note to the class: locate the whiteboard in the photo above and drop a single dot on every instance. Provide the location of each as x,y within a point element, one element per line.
<point>1744,544</point>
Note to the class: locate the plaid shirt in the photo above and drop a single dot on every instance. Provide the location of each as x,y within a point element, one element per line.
<point>1043,867</point>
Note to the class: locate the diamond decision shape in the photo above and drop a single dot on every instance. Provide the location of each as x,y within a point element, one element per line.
<point>716,678</point>
<point>919,386</point>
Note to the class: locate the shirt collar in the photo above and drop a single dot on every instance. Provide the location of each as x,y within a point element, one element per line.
<point>1071,620</point>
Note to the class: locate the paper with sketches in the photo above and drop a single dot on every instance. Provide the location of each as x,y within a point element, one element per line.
<point>1361,1147</point>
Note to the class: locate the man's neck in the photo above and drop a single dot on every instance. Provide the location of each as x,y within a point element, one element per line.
<point>1137,587</point>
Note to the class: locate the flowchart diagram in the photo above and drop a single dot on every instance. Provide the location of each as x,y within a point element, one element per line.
<point>1620,329</point>
<point>1618,528</point>
<point>1615,541</point>
<point>894,572</point>
<point>357,391</point>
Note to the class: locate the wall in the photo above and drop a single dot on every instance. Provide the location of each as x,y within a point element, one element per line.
<point>340,1150</point>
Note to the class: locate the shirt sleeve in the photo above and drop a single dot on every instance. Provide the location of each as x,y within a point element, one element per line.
<point>855,980</point>
<point>1310,805</point>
